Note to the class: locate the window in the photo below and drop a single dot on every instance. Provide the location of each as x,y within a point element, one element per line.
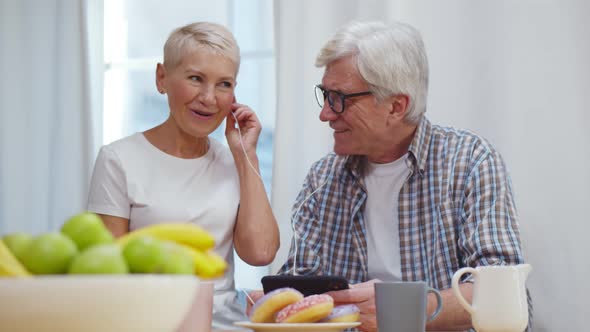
<point>135,32</point>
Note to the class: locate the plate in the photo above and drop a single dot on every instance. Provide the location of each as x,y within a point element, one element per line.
<point>306,327</point>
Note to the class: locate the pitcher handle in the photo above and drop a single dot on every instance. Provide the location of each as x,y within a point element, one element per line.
<point>457,291</point>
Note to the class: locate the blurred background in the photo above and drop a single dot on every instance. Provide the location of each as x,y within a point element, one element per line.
<point>78,74</point>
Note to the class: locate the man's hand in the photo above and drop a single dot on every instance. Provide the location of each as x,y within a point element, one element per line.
<point>363,296</point>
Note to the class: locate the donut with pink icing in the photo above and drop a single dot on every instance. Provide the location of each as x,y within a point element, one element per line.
<point>309,310</point>
<point>346,313</point>
<point>267,306</point>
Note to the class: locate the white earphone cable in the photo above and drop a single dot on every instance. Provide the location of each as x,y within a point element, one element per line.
<point>295,239</point>
<point>243,148</point>
<point>298,208</point>
<point>293,225</point>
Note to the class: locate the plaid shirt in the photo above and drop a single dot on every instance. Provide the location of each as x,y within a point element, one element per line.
<point>455,209</point>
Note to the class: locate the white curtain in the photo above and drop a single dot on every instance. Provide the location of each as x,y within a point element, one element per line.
<point>50,92</point>
<point>516,72</point>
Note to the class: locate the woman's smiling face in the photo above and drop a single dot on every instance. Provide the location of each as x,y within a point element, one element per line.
<point>200,90</point>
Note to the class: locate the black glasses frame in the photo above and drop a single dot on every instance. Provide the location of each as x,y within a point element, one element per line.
<point>327,93</point>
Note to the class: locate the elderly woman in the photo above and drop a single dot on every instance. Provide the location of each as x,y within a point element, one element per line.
<point>176,172</point>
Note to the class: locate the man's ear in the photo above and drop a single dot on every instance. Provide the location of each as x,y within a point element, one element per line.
<point>399,106</point>
<point>161,78</point>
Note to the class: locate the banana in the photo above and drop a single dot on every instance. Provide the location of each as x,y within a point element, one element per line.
<point>184,233</point>
<point>208,265</point>
<point>9,265</point>
<point>217,261</point>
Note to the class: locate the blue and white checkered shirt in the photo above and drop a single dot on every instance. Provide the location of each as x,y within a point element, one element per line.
<point>455,210</point>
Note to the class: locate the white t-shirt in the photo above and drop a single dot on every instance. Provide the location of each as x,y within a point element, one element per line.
<point>135,180</point>
<point>383,182</point>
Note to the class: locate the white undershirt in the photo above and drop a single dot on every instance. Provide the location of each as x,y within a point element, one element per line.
<point>383,183</point>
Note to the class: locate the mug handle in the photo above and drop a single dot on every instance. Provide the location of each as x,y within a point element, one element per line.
<point>455,285</point>
<point>438,303</point>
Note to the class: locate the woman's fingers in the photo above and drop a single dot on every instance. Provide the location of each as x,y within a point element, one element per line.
<point>247,121</point>
<point>245,135</point>
<point>230,123</point>
<point>244,114</point>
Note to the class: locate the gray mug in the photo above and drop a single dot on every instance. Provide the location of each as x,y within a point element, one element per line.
<point>401,306</point>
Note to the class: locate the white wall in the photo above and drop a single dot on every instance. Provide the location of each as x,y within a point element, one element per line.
<point>518,73</point>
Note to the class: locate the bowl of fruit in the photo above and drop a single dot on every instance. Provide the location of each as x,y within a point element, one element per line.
<point>80,278</point>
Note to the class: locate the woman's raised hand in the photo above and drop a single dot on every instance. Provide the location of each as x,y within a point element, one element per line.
<point>249,127</point>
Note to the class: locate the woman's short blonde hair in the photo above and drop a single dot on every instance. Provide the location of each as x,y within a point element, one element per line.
<point>211,36</point>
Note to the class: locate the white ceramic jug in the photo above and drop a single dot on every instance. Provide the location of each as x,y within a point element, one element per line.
<point>499,297</point>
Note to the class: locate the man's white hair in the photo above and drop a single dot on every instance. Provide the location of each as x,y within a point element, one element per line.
<point>390,57</point>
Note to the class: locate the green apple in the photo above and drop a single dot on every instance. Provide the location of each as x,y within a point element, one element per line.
<point>178,260</point>
<point>87,229</point>
<point>100,259</point>
<point>144,254</point>
<point>17,243</point>
<point>49,253</point>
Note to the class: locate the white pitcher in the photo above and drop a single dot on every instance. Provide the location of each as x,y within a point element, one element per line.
<point>499,297</point>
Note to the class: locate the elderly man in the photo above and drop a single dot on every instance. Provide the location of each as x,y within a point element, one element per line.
<point>400,198</point>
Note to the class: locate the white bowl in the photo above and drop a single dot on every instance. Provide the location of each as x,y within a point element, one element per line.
<point>96,303</point>
<point>199,316</point>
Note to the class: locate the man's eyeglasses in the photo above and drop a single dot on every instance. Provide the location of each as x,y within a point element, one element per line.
<point>335,99</point>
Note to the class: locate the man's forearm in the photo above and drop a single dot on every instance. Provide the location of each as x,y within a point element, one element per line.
<point>453,317</point>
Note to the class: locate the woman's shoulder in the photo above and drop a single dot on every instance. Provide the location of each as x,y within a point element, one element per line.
<point>126,147</point>
<point>131,141</point>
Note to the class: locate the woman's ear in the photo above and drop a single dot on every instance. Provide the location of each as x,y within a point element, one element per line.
<point>161,78</point>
